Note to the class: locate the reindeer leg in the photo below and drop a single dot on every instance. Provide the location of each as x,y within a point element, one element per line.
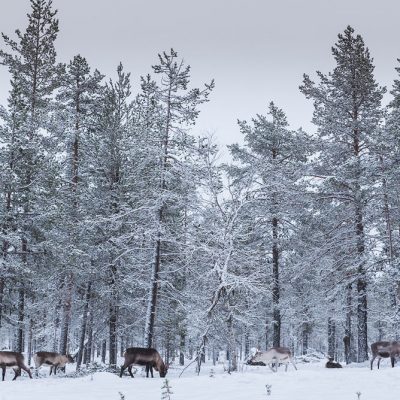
<point>147,370</point>
<point>26,369</point>
<point>151,371</point>
<point>4,372</point>
<point>392,361</point>
<point>130,371</point>
<point>294,365</point>
<point>379,361</point>
<point>17,372</point>
<point>55,369</point>
<point>372,362</point>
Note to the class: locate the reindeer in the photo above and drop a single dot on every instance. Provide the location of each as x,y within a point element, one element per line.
<point>55,360</point>
<point>385,350</point>
<point>274,356</point>
<point>147,357</point>
<point>13,359</point>
<point>332,364</point>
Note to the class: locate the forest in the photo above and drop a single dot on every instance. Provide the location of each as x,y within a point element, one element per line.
<point>120,226</point>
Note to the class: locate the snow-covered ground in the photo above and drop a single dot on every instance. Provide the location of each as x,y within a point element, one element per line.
<point>309,382</point>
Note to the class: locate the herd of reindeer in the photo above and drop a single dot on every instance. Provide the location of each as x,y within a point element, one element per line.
<point>150,358</point>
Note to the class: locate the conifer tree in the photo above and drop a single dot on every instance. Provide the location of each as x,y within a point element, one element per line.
<point>78,96</point>
<point>347,112</point>
<point>179,110</point>
<point>32,62</point>
<point>273,155</point>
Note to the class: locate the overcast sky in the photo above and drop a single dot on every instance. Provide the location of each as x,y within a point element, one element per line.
<point>256,50</point>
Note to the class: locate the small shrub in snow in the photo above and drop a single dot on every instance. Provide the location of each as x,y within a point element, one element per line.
<point>166,391</point>
<point>212,374</point>
<point>121,396</point>
<point>268,387</point>
<point>358,395</point>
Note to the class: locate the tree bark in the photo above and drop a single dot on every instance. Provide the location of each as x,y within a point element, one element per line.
<point>348,339</point>
<point>182,347</point>
<point>66,314</point>
<point>232,346</point>
<point>89,345</point>
<point>305,336</point>
<point>331,338</point>
<point>275,285</point>
<point>103,351</point>
<point>112,322</point>
<point>1,299</point>
<point>21,315</point>
<point>83,327</point>
<point>152,304</point>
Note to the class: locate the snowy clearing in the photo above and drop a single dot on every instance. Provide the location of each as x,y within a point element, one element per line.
<point>309,382</point>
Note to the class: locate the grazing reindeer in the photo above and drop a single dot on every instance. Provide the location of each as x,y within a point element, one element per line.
<point>55,360</point>
<point>332,364</point>
<point>385,350</point>
<point>13,359</point>
<point>275,355</point>
<point>147,357</point>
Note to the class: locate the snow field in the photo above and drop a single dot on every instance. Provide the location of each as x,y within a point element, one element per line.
<point>310,382</point>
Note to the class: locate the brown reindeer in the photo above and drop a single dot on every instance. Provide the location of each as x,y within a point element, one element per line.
<point>385,350</point>
<point>273,357</point>
<point>150,358</point>
<point>55,360</point>
<point>332,364</point>
<point>13,359</point>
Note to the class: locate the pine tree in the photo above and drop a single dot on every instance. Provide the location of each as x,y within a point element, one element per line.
<point>32,62</point>
<point>179,109</point>
<point>79,93</point>
<point>273,158</point>
<point>347,112</point>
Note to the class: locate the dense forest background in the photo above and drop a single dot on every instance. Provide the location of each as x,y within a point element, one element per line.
<point>120,227</point>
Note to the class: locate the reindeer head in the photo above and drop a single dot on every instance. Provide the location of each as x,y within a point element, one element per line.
<point>70,358</point>
<point>256,356</point>
<point>163,371</point>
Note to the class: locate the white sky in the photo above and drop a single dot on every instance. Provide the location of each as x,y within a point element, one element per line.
<point>257,50</point>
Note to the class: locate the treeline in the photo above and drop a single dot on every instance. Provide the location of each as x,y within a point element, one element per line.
<point>120,227</point>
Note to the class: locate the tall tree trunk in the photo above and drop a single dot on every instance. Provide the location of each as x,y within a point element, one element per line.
<point>362,306</point>
<point>66,314</point>
<point>103,351</point>
<point>83,326</point>
<point>305,336</point>
<point>21,315</point>
<point>30,340</point>
<point>232,345</point>
<point>246,342</point>
<point>89,345</point>
<point>331,338</point>
<point>275,285</point>
<point>21,301</point>
<point>56,326</point>
<point>112,322</point>
<point>348,333</point>
<point>182,343</point>
<point>1,299</point>
<point>152,303</point>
